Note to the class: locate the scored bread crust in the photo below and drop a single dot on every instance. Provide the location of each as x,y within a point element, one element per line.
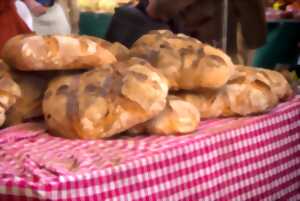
<point>178,118</point>
<point>278,83</point>
<point>186,62</point>
<point>106,101</point>
<point>32,52</point>
<point>250,91</point>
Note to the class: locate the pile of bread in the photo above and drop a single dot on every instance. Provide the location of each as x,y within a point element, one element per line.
<point>88,88</point>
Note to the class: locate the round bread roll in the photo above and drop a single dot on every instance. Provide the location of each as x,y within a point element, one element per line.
<point>105,101</point>
<point>187,63</point>
<point>37,53</point>
<point>248,92</point>
<point>179,117</point>
<point>9,91</point>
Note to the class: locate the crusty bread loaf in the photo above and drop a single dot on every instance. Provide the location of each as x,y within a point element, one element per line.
<point>29,105</point>
<point>38,53</point>
<point>106,101</point>
<point>279,84</point>
<point>249,91</point>
<point>9,91</point>
<point>179,117</point>
<point>187,63</point>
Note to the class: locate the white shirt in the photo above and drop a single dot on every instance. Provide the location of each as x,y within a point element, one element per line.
<point>24,13</point>
<point>54,21</point>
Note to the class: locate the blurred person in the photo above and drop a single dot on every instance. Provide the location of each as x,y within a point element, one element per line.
<point>10,22</point>
<point>72,12</point>
<point>48,17</point>
<point>24,13</point>
<point>35,7</point>
<point>204,20</point>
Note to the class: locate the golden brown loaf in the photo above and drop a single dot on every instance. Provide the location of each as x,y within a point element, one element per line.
<point>279,84</point>
<point>179,117</point>
<point>38,53</point>
<point>9,91</point>
<point>106,101</point>
<point>250,91</point>
<point>187,63</point>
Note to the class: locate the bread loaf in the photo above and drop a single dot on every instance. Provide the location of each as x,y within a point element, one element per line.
<point>38,53</point>
<point>9,91</point>
<point>249,91</point>
<point>187,63</point>
<point>211,104</point>
<point>278,83</point>
<point>179,117</point>
<point>29,105</point>
<point>106,101</point>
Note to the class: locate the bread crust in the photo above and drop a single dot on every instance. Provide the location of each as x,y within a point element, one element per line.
<point>106,101</point>
<point>38,53</point>
<point>178,118</point>
<point>250,91</point>
<point>186,62</point>
<point>9,91</point>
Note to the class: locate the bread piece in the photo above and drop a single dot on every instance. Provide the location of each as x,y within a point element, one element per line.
<point>211,104</point>
<point>250,98</point>
<point>2,116</point>
<point>179,117</point>
<point>29,105</point>
<point>158,38</point>
<point>187,63</point>
<point>119,51</point>
<point>9,91</point>
<point>38,53</point>
<point>278,83</point>
<point>105,101</point>
<point>250,91</point>
<point>280,86</point>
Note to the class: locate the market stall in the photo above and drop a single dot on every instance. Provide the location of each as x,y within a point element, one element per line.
<point>250,154</point>
<point>171,118</point>
<point>254,158</point>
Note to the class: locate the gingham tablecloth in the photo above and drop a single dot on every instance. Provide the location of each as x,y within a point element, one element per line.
<point>256,158</point>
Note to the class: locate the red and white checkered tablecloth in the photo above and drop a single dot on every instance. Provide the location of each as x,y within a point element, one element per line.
<point>255,158</point>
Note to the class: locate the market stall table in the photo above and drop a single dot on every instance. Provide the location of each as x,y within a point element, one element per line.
<point>254,158</point>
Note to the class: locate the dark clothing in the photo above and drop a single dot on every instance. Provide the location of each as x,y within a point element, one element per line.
<point>129,23</point>
<point>46,2</point>
<point>203,19</point>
